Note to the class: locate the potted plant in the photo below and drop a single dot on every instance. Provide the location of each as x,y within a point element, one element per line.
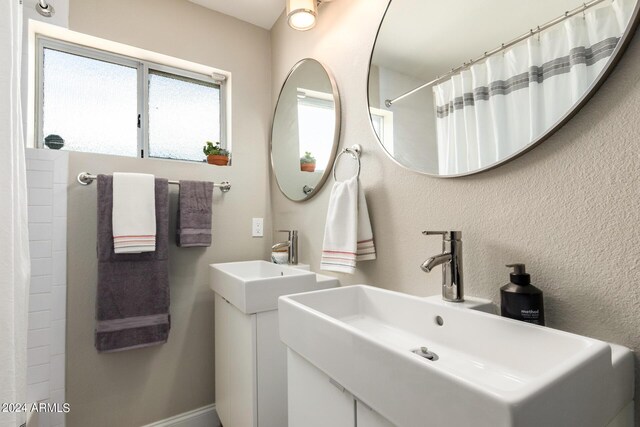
<point>216,155</point>
<point>307,162</point>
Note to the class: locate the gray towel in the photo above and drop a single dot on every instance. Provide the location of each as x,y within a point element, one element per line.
<point>194,214</point>
<point>132,304</point>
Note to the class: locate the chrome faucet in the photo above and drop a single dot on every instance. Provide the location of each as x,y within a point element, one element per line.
<point>291,244</point>
<point>451,260</point>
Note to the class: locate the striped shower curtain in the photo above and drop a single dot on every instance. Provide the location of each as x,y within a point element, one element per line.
<point>497,107</point>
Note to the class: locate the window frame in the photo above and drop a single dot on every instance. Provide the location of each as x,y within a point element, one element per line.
<point>142,67</point>
<point>386,118</point>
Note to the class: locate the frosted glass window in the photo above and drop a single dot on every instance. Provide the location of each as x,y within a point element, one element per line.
<point>316,124</point>
<point>184,114</point>
<point>91,104</point>
<point>105,103</point>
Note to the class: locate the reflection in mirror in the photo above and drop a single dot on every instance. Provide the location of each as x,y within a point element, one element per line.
<point>461,86</point>
<point>306,127</point>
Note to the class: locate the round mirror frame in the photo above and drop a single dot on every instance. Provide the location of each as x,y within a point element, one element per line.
<point>625,39</point>
<point>336,133</point>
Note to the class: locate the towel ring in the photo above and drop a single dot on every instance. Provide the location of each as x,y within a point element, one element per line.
<point>355,151</point>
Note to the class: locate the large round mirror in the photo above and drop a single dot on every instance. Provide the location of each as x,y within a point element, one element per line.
<point>306,129</point>
<point>458,87</point>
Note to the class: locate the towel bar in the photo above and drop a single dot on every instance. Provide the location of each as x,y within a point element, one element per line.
<point>85,178</point>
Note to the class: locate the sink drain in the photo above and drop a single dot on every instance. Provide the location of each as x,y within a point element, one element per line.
<point>424,352</point>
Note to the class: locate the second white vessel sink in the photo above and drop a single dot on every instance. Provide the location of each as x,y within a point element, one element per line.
<point>254,286</point>
<point>490,371</point>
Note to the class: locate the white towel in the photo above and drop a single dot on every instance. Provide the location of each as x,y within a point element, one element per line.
<point>134,213</point>
<point>347,234</point>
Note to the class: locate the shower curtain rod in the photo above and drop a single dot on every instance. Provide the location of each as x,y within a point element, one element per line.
<point>85,178</point>
<point>568,14</point>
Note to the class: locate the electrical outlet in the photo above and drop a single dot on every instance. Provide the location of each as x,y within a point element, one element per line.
<point>258,227</point>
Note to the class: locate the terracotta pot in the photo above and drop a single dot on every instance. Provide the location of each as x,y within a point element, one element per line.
<point>307,167</point>
<point>216,159</point>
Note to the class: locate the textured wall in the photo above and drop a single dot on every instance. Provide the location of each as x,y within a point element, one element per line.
<point>137,387</point>
<point>569,209</point>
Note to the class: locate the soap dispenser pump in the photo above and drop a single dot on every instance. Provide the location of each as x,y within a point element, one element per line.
<point>519,299</point>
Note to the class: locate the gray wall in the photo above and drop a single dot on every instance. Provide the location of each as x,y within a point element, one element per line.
<point>569,209</point>
<point>137,387</point>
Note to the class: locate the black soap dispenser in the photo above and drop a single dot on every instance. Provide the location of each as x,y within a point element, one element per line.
<point>521,300</point>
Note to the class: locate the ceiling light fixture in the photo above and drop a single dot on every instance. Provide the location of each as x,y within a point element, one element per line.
<point>302,14</point>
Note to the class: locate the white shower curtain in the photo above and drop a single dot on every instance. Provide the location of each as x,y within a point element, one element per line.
<point>497,107</point>
<point>14,244</point>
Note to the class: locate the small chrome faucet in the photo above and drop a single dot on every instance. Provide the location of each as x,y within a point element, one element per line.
<point>291,244</point>
<point>451,260</point>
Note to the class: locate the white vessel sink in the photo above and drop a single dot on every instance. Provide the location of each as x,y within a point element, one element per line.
<point>490,371</point>
<point>254,286</point>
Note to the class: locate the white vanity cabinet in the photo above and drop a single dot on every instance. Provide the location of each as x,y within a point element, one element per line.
<point>367,417</point>
<point>250,358</point>
<point>250,368</point>
<point>235,365</point>
<point>315,400</point>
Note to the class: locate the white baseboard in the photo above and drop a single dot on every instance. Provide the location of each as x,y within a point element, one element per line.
<point>201,417</point>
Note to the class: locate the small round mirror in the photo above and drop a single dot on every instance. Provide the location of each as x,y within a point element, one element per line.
<point>305,130</point>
